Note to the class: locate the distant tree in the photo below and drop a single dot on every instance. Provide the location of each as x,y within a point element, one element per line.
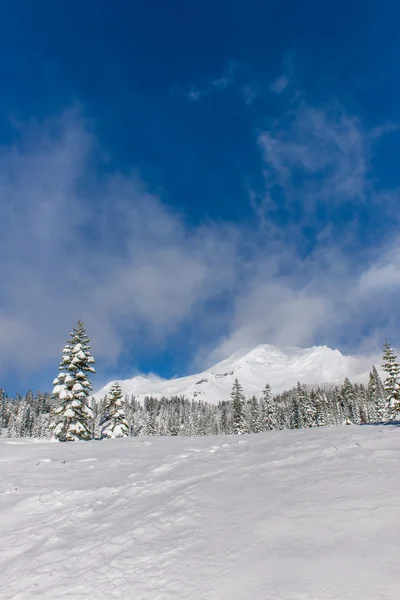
<point>255,416</point>
<point>72,417</point>
<point>376,396</point>
<point>391,385</point>
<point>350,403</point>
<point>306,409</point>
<point>270,417</point>
<point>319,403</point>
<point>114,424</point>
<point>296,421</point>
<point>173,423</point>
<point>238,407</point>
<point>3,412</point>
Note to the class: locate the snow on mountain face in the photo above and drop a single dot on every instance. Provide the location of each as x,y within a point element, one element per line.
<point>282,369</point>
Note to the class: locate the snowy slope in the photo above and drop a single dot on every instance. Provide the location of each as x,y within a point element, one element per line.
<point>294,515</point>
<point>282,369</point>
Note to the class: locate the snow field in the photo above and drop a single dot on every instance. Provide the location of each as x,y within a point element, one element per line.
<point>308,514</point>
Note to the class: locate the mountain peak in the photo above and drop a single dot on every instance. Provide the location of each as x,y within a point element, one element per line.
<point>253,367</point>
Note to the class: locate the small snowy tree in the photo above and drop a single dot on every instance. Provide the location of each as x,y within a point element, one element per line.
<point>72,417</point>
<point>115,424</point>
<point>391,385</point>
<point>238,407</point>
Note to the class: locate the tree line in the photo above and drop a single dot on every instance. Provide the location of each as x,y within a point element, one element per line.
<point>69,413</point>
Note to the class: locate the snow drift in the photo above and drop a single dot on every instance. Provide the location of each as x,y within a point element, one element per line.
<point>295,515</point>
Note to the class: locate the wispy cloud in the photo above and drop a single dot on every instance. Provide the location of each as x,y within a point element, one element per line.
<point>210,85</point>
<point>280,84</point>
<point>321,153</point>
<point>315,160</point>
<point>105,250</point>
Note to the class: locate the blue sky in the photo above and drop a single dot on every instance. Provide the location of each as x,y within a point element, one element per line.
<point>193,178</point>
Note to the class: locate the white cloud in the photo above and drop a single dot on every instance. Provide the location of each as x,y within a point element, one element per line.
<point>326,300</point>
<point>280,84</point>
<point>248,93</point>
<point>107,252</point>
<point>316,157</point>
<point>321,154</point>
<point>208,85</point>
<point>73,246</point>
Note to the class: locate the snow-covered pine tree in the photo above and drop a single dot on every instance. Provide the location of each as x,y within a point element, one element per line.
<point>226,417</point>
<point>270,416</point>
<point>114,423</point>
<point>306,410</point>
<point>189,427</point>
<point>350,403</point>
<point>238,407</point>
<point>392,384</point>
<point>318,400</point>
<point>361,402</point>
<point>151,412</point>
<point>256,422</point>
<point>72,417</point>
<point>2,410</point>
<point>295,414</point>
<point>377,398</point>
<point>173,423</point>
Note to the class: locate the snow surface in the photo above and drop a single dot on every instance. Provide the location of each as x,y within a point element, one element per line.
<point>295,515</point>
<point>282,369</point>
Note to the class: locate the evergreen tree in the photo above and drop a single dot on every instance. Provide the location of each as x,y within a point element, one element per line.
<point>350,404</point>
<point>3,419</point>
<point>376,396</point>
<point>238,407</point>
<point>190,425</point>
<point>173,423</point>
<point>151,409</point>
<point>270,416</point>
<point>256,424</point>
<point>114,423</point>
<point>319,403</point>
<point>72,417</point>
<point>306,412</point>
<point>391,385</point>
<point>295,414</point>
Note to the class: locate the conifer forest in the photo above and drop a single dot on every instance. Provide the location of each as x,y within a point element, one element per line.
<point>70,412</point>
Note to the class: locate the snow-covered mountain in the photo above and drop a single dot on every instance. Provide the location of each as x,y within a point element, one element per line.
<point>282,369</point>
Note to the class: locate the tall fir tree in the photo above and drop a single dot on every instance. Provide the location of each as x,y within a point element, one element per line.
<point>115,424</point>
<point>72,417</point>
<point>238,407</point>
<point>391,385</point>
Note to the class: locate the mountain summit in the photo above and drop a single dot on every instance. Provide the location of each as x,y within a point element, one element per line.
<point>282,369</point>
